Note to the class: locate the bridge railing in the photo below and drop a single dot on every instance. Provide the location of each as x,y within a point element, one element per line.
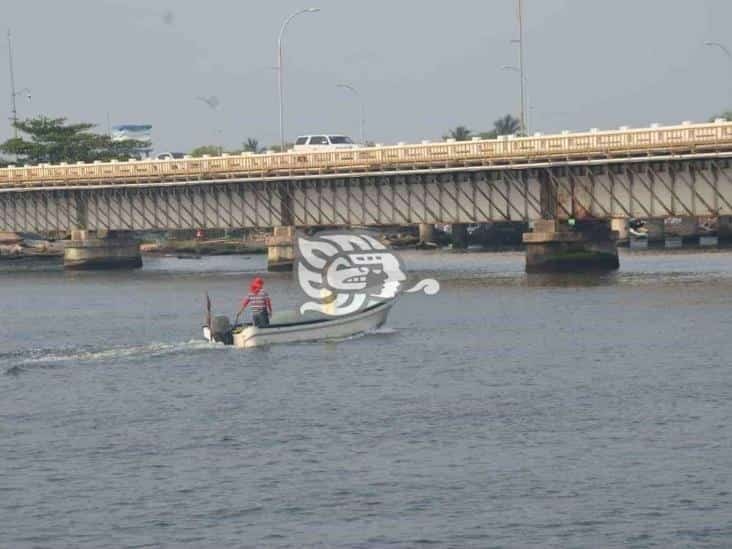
<point>715,136</point>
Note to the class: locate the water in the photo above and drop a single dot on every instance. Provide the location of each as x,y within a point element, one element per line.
<point>555,411</point>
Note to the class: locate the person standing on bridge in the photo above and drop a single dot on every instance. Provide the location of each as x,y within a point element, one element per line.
<point>259,302</point>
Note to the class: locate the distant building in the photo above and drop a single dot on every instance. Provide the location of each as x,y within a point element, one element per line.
<point>135,132</point>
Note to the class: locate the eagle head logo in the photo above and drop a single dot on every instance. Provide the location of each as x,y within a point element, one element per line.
<point>346,272</point>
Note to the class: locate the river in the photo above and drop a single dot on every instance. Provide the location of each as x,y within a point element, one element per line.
<point>506,411</point>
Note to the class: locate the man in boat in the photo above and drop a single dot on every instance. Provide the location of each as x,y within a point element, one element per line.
<point>259,302</point>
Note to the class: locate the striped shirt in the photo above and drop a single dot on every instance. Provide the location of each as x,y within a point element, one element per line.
<point>258,302</point>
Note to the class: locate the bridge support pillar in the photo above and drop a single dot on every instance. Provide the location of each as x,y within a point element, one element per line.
<point>724,227</point>
<point>620,225</point>
<point>281,249</point>
<point>656,230</point>
<point>426,233</point>
<point>459,235</point>
<point>96,250</point>
<point>554,246</point>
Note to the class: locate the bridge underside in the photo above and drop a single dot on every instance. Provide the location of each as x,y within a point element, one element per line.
<point>644,189</point>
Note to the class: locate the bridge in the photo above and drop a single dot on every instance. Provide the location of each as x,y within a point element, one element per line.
<point>571,183</point>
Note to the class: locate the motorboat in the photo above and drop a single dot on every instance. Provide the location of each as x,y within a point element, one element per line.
<point>298,329</point>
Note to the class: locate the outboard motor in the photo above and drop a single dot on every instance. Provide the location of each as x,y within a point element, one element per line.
<point>222,330</point>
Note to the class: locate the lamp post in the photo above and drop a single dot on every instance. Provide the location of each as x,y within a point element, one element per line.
<point>524,84</point>
<point>725,50</point>
<point>362,122</point>
<point>279,70</point>
<point>719,45</point>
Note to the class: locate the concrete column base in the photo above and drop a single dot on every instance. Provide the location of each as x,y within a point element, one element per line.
<point>555,247</point>
<point>281,250</point>
<point>656,230</point>
<point>97,250</point>
<point>684,229</point>
<point>620,224</point>
<point>724,227</point>
<point>459,235</point>
<point>426,233</point>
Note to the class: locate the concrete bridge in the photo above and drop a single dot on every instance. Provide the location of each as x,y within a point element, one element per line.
<point>573,184</point>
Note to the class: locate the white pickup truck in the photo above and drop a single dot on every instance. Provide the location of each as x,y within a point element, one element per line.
<point>323,142</point>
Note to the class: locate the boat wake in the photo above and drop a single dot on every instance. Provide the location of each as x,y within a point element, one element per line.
<point>21,361</point>
<point>383,331</point>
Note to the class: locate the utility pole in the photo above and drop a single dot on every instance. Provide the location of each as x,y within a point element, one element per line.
<point>13,109</point>
<point>521,64</point>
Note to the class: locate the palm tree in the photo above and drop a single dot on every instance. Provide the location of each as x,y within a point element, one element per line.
<point>252,145</point>
<point>507,125</point>
<point>459,133</point>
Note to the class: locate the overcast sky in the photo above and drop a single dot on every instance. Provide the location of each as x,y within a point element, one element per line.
<point>422,66</point>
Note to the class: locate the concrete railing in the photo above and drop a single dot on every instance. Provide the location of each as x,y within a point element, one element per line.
<point>684,138</point>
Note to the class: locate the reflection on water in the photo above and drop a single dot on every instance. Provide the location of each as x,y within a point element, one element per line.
<point>571,280</point>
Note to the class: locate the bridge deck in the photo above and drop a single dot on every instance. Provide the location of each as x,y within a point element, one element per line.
<point>684,139</point>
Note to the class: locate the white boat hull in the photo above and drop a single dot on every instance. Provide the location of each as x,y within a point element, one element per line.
<point>315,330</point>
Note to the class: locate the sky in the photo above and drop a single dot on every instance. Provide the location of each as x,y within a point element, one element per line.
<point>421,66</point>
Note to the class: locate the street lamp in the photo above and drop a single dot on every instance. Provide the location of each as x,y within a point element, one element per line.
<point>721,46</point>
<point>360,101</point>
<point>524,84</point>
<point>279,70</point>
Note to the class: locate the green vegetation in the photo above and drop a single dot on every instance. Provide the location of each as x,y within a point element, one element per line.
<point>459,133</point>
<point>506,125</point>
<point>727,115</point>
<point>53,140</point>
<point>252,145</point>
<point>210,150</point>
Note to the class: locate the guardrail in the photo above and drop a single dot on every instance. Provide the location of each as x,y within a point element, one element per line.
<point>684,138</point>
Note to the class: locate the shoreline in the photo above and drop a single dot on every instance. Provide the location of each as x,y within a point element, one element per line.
<point>193,249</point>
<point>202,248</point>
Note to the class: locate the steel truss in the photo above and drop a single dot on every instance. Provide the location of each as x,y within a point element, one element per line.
<point>634,189</point>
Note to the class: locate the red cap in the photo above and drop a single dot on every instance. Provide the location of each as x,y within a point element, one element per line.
<point>256,284</point>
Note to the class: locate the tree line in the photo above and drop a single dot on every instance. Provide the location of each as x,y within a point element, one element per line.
<point>506,125</point>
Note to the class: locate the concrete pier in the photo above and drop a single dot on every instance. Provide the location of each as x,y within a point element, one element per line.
<point>459,235</point>
<point>724,228</point>
<point>684,228</point>
<point>281,249</point>
<point>97,250</point>
<point>656,229</point>
<point>620,225</point>
<point>555,246</point>
<point>426,233</point>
